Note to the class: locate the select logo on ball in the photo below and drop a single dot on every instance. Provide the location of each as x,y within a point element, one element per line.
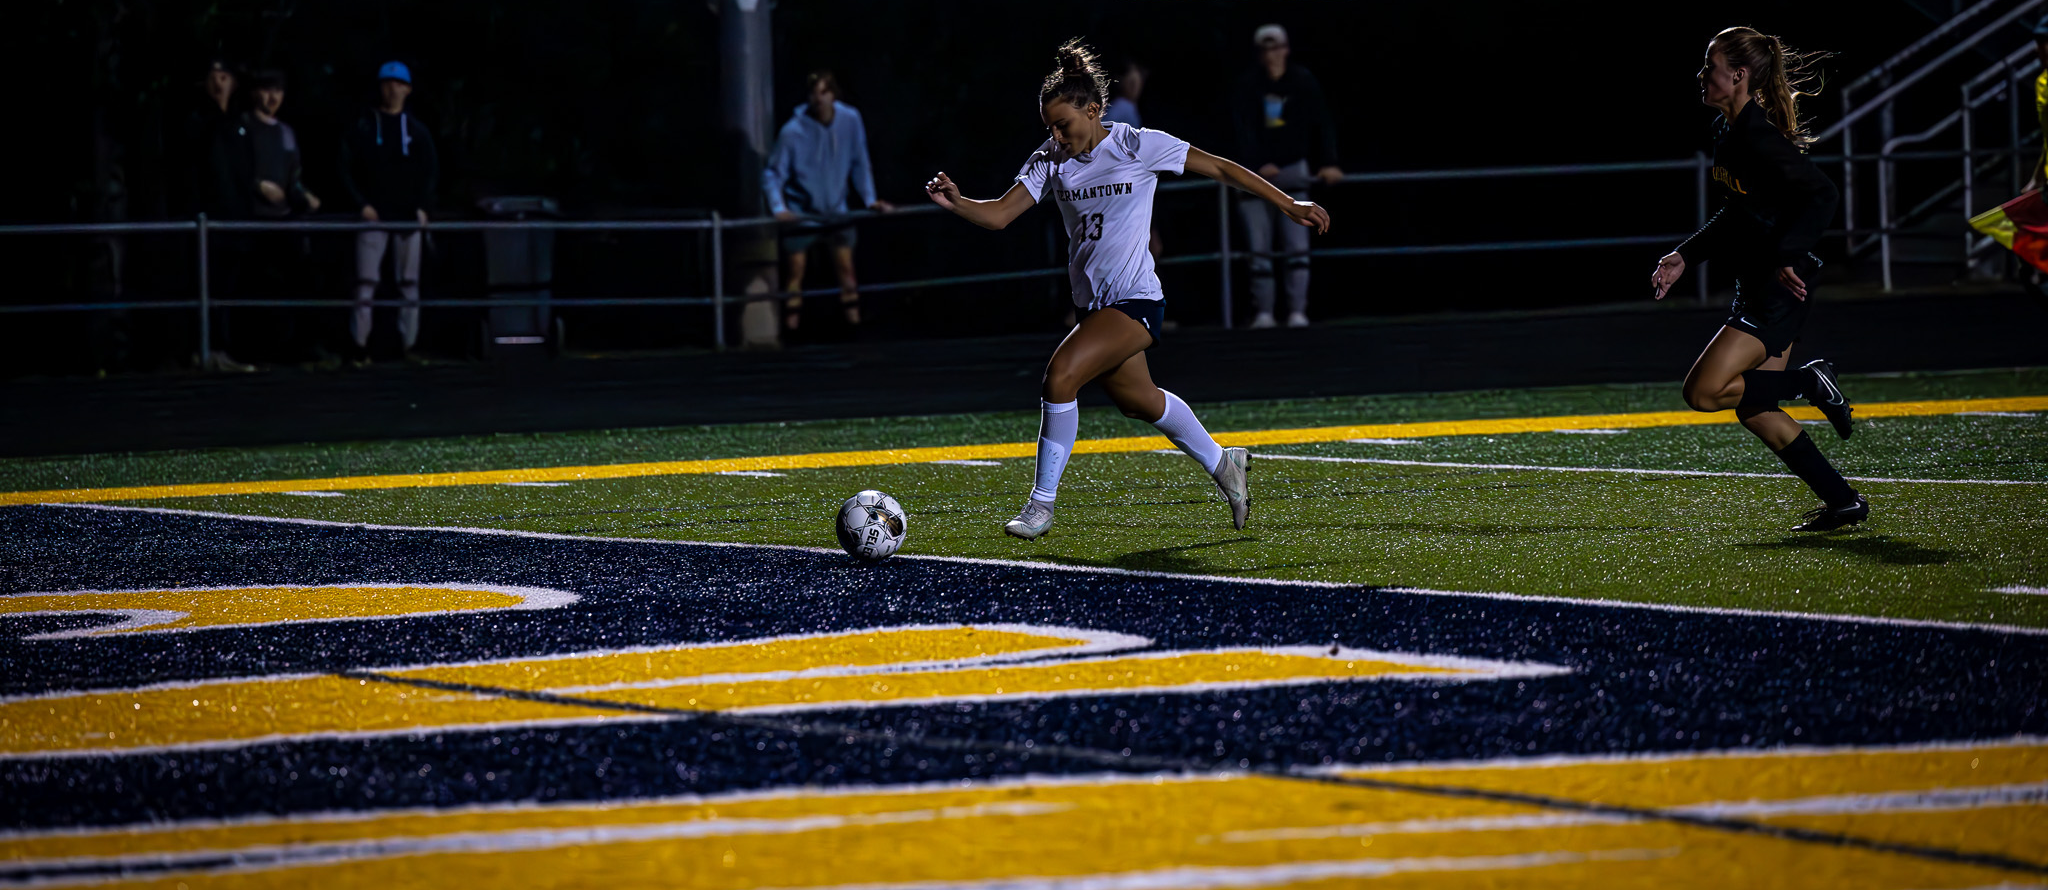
<point>871,526</point>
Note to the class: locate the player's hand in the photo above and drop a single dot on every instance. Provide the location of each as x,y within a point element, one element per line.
<point>271,191</point>
<point>882,207</point>
<point>1330,175</point>
<point>1789,280</point>
<point>943,191</point>
<point>785,215</point>
<point>1666,274</point>
<point>423,218</point>
<point>1308,213</point>
<point>312,203</point>
<point>369,213</point>
<point>1269,171</point>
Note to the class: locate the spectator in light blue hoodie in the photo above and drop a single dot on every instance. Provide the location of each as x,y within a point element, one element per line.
<point>819,150</point>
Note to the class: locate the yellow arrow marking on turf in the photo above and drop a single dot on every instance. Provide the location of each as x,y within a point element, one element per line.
<point>1497,426</point>
<point>844,670</point>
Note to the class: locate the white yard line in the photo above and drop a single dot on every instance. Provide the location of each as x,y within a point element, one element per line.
<point>1624,470</point>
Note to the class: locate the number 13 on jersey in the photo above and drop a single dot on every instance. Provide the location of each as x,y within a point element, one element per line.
<point>1084,233</point>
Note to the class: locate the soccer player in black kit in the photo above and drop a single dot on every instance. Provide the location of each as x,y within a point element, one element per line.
<point>1777,204</point>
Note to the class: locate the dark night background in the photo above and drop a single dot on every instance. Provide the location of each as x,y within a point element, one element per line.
<point>612,108</point>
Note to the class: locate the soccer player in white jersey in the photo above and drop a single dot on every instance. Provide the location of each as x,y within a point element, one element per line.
<point>1103,178</point>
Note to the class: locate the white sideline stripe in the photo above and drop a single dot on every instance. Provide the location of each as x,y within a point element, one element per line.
<point>748,473</point>
<point>1591,432</point>
<point>1629,470</point>
<point>314,494</point>
<point>1219,877</point>
<point>969,463</point>
<point>1996,414</point>
<point>2021,588</point>
<point>1552,761</point>
<point>536,484</point>
<point>1750,613</point>
<point>1384,441</point>
<point>1825,805</point>
<point>271,856</point>
<point>1093,570</point>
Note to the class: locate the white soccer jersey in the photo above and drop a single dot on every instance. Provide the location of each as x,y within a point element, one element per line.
<point>1105,196</point>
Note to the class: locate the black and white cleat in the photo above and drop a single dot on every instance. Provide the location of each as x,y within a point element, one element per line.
<point>1824,393</point>
<point>1826,519</point>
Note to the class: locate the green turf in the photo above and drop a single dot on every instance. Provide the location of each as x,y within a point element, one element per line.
<point>740,440</point>
<point>1931,551</point>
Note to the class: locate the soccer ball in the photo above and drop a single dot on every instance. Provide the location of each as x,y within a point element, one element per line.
<point>872,526</point>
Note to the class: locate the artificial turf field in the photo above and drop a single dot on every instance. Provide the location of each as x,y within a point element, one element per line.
<point>1543,637</point>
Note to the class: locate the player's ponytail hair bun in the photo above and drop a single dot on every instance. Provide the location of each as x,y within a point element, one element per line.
<point>1077,78</point>
<point>1779,76</point>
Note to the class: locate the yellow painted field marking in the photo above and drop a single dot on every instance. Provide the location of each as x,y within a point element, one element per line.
<point>771,462</point>
<point>832,670</point>
<point>1141,831</point>
<point>152,611</point>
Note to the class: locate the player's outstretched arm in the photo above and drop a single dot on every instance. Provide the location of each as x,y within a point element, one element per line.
<point>1233,173</point>
<point>986,214</point>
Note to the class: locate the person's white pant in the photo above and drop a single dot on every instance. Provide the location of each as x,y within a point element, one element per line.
<point>1260,219</point>
<point>405,258</point>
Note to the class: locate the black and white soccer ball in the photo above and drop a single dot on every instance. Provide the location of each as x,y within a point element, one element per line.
<point>872,525</point>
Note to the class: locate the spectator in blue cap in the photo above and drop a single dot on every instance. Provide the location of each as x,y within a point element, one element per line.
<point>389,171</point>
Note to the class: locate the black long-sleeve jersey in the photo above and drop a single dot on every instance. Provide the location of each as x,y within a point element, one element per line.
<point>1776,201</point>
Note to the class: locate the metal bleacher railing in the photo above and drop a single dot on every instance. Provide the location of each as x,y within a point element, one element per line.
<point>719,300</point>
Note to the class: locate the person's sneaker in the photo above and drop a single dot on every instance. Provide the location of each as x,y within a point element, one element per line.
<point>1230,479</point>
<point>1263,321</point>
<point>1033,522</point>
<point>1826,395</point>
<point>1825,518</point>
<point>1297,320</point>
<point>221,361</point>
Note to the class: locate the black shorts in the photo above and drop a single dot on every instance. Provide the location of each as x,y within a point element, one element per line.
<point>1150,313</point>
<point>1764,309</point>
<point>799,238</point>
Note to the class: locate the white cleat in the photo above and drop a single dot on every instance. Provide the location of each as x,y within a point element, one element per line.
<point>1297,320</point>
<point>1263,321</point>
<point>1231,479</point>
<point>1033,523</point>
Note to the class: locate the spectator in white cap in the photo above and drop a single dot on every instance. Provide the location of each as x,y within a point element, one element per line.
<point>389,171</point>
<point>1283,132</point>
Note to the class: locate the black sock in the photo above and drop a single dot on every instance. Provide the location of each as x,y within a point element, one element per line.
<point>1804,459</point>
<point>1765,389</point>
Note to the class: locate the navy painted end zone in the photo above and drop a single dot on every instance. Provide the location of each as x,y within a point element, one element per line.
<point>1642,680</point>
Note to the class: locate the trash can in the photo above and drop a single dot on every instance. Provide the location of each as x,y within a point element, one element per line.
<point>520,264</point>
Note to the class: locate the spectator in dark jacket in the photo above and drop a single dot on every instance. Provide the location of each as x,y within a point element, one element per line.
<point>192,180</point>
<point>390,172</point>
<point>1283,131</point>
<point>195,190</point>
<point>257,175</point>
<point>257,165</point>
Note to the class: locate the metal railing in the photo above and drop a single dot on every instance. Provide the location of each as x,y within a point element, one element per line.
<point>203,229</point>
<point>1892,79</point>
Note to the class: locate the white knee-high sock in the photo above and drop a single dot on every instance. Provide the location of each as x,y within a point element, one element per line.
<point>1180,425</point>
<point>1058,424</point>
